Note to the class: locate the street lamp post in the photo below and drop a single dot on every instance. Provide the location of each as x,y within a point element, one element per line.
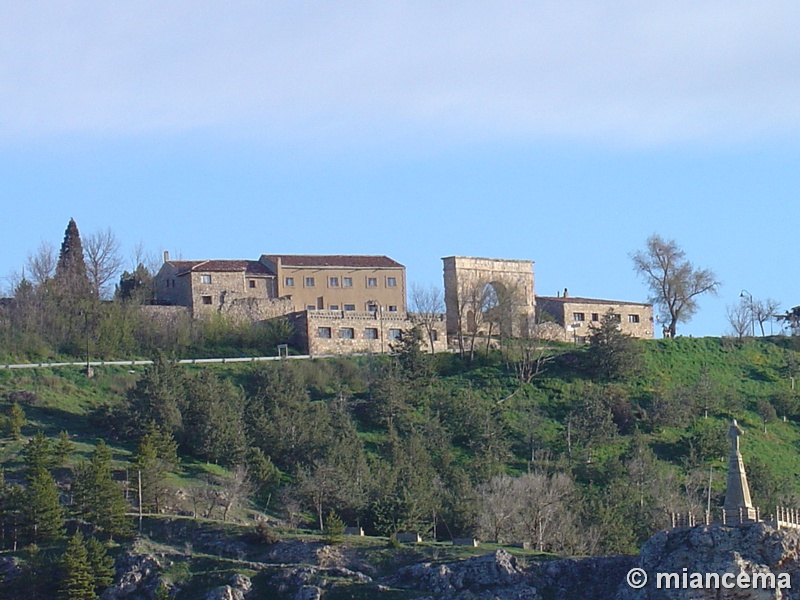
<point>752,311</point>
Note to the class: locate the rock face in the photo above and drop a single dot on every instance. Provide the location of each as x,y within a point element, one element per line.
<point>237,589</point>
<point>750,549</point>
<point>136,577</point>
<point>500,576</point>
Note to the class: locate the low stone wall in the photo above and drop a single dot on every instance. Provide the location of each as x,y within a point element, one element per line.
<point>349,332</point>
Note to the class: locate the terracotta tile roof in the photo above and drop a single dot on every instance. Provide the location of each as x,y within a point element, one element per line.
<point>334,260</point>
<point>250,267</point>
<point>579,300</point>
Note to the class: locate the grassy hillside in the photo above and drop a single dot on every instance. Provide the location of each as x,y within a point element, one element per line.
<point>631,447</point>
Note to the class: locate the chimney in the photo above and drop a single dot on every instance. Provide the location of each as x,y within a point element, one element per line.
<point>166,255</point>
<point>566,293</point>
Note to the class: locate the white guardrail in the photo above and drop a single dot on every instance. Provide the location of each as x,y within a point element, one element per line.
<point>185,361</point>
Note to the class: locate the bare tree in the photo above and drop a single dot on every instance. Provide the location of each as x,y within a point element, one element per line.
<point>427,304</point>
<point>103,260</point>
<point>235,489</point>
<point>41,264</point>
<point>534,508</point>
<point>764,311</point>
<point>674,282</point>
<point>149,260</point>
<point>739,318</point>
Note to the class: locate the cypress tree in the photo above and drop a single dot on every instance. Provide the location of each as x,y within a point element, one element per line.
<point>71,267</point>
<point>78,582</point>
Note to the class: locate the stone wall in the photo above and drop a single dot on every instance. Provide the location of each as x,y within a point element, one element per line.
<point>338,332</point>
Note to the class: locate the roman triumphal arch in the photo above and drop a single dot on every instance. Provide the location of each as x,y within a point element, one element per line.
<point>488,295</point>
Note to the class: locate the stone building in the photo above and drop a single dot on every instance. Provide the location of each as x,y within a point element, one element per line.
<point>339,283</point>
<point>338,304</point>
<point>243,288</point>
<point>576,315</point>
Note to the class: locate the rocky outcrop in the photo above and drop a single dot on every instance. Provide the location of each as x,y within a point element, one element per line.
<point>499,575</point>
<point>136,577</point>
<point>237,589</point>
<point>749,549</point>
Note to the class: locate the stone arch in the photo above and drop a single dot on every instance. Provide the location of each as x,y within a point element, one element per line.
<point>499,291</point>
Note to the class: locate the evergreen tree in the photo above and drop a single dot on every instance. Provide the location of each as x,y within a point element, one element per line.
<point>16,420</point>
<point>78,582</point>
<point>71,267</point>
<point>155,458</point>
<point>38,454</point>
<point>157,397</point>
<point>100,563</point>
<point>97,497</point>
<point>44,514</point>
<point>213,419</point>
<point>612,354</point>
<point>12,502</point>
<point>63,448</point>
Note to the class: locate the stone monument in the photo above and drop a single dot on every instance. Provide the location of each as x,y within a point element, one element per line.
<point>738,505</point>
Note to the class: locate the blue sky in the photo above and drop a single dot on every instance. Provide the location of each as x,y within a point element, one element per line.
<point>565,133</point>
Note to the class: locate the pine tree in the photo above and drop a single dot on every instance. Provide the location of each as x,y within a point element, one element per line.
<point>38,454</point>
<point>155,458</point>
<point>44,515</point>
<point>63,448</point>
<point>97,497</point>
<point>78,582</point>
<point>101,564</point>
<point>16,420</point>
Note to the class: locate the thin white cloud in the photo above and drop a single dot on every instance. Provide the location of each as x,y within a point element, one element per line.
<point>629,72</point>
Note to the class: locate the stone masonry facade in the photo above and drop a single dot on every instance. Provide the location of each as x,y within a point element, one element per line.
<point>321,332</point>
<point>577,315</point>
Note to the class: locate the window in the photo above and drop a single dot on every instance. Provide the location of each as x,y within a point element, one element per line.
<point>633,318</point>
<point>371,333</point>
<point>288,281</point>
<point>205,278</point>
<point>309,282</point>
<point>311,307</point>
<point>324,332</point>
<point>333,282</point>
<point>206,299</point>
<point>616,317</point>
<point>434,335</point>
<point>251,283</point>
<point>580,340</point>
<point>347,333</point>
<point>349,307</point>
<point>333,307</point>
<point>595,317</point>
<point>395,334</point>
<point>347,282</point>
<point>392,308</point>
<point>391,282</point>
<point>372,307</point>
<point>578,317</point>
<point>372,282</point>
